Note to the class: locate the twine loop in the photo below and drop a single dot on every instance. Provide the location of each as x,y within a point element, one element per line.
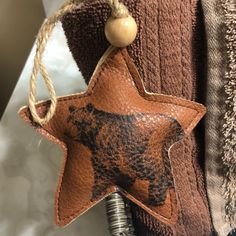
<point>118,10</point>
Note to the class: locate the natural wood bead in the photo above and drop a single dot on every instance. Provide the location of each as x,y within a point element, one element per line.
<point>121,32</point>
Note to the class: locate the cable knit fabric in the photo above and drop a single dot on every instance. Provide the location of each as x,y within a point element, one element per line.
<point>168,55</point>
<point>216,97</point>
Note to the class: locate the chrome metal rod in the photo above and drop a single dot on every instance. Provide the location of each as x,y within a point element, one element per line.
<point>119,216</point>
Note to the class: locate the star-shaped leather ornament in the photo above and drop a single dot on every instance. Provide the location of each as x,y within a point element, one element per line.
<point>116,138</point>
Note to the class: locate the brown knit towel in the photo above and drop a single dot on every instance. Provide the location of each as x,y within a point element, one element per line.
<point>165,55</point>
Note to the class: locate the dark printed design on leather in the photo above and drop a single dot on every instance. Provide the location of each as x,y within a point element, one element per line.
<point>121,152</point>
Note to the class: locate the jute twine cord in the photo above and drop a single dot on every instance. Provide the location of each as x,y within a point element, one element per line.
<point>118,11</point>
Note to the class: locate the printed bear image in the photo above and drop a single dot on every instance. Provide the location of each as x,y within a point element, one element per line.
<point>126,148</point>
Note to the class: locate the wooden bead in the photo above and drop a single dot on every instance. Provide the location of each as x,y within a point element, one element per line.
<point>121,32</point>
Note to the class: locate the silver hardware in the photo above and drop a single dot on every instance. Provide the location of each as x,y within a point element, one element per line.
<point>119,216</point>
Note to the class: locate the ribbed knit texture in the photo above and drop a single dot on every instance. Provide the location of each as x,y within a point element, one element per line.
<point>166,56</point>
<point>216,97</point>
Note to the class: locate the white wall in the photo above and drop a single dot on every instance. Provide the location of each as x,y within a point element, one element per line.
<point>51,5</point>
<point>29,164</point>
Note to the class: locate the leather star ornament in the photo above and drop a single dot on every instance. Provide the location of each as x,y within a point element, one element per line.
<point>116,138</point>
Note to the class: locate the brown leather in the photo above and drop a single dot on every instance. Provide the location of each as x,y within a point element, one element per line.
<point>117,137</point>
<point>169,55</point>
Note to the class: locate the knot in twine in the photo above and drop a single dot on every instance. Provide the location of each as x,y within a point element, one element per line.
<point>118,11</point>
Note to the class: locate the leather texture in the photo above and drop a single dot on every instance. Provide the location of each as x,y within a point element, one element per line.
<point>169,53</point>
<point>117,137</point>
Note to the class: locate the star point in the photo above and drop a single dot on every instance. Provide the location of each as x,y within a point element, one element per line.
<point>116,137</point>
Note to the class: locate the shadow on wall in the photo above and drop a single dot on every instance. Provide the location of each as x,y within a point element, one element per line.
<point>19,24</point>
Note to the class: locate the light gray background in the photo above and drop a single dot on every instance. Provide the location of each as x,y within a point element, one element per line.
<point>30,165</point>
